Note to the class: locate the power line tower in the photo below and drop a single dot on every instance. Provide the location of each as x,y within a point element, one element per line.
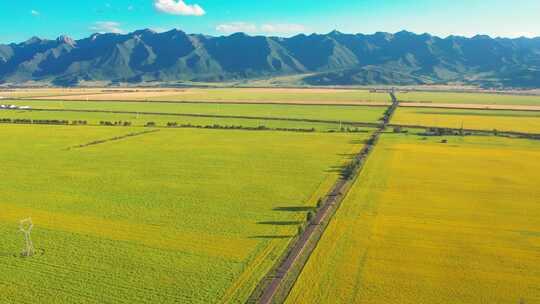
<point>25,226</point>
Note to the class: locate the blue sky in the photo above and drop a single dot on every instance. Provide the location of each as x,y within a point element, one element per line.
<point>20,20</point>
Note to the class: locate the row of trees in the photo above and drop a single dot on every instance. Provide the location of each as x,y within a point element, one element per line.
<point>348,130</point>
<point>115,123</point>
<point>35,121</point>
<point>233,127</point>
<point>444,132</point>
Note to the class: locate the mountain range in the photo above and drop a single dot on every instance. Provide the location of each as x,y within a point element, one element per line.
<point>403,58</point>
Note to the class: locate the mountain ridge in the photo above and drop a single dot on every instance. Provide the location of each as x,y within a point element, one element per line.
<point>402,58</point>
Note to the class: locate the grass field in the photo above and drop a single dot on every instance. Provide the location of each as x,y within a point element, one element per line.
<point>434,223</point>
<point>519,121</point>
<point>318,112</point>
<point>162,120</point>
<point>257,95</point>
<point>189,216</point>
<point>468,98</point>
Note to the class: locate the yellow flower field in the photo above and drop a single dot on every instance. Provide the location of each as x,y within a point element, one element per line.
<point>434,223</point>
<point>517,121</point>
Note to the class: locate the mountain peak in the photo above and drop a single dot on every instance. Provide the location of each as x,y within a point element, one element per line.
<point>405,33</point>
<point>33,40</point>
<point>145,31</point>
<point>66,40</point>
<point>481,37</point>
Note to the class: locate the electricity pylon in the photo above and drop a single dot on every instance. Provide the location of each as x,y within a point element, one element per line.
<point>25,226</point>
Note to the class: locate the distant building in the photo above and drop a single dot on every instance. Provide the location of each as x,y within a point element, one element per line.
<point>13,107</point>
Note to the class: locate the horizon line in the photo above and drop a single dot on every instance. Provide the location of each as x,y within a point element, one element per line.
<point>274,36</point>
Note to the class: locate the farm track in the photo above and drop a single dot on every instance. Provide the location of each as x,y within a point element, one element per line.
<point>276,280</point>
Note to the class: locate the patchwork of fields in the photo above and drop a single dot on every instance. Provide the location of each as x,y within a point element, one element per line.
<point>517,121</point>
<point>157,214</point>
<point>434,223</point>
<point>172,216</point>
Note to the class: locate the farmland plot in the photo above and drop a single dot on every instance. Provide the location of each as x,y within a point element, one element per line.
<point>251,95</point>
<point>317,112</point>
<point>517,121</point>
<point>469,98</point>
<point>94,118</point>
<point>174,216</point>
<point>434,223</point>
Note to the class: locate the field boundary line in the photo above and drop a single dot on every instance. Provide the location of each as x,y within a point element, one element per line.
<point>352,123</point>
<point>244,277</point>
<point>102,141</point>
<point>493,132</point>
<point>479,107</point>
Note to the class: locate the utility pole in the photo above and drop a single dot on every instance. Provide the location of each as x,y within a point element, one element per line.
<point>25,226</point>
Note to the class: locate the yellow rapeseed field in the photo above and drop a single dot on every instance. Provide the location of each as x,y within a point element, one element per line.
<point>434,223</point>
<point>518,121</point>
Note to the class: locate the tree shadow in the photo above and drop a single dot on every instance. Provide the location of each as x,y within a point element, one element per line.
<point>335,169</point>
<point>294,209</point>
<point>347,155</point>
<point>271,237</point>
<point>7,255</point>
<point>281,223</point>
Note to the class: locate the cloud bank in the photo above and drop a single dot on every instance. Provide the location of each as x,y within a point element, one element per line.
<point>107,27</point>
<point>267,28</point>
<point>178,7</point>
<point>235,27</point>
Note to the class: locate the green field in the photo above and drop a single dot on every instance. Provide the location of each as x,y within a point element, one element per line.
<point>428,222</point>
<point>95,118</point>
<point>518,121</point>
<point>179,215</point>
<point>317,112</point>
<point>468,98</point>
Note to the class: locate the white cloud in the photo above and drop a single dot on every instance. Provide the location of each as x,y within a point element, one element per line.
<point>282,28</point>
<point>235,27</point>
<point>178,7</point>
<point>267,28</point>
<point>34,13</point>
<point>107,27</point>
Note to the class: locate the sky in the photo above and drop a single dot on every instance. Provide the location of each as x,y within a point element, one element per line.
<point>20,20</point>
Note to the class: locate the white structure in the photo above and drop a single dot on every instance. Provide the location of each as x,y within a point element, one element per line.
<point>14,107</point>
<point>25,226</point>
